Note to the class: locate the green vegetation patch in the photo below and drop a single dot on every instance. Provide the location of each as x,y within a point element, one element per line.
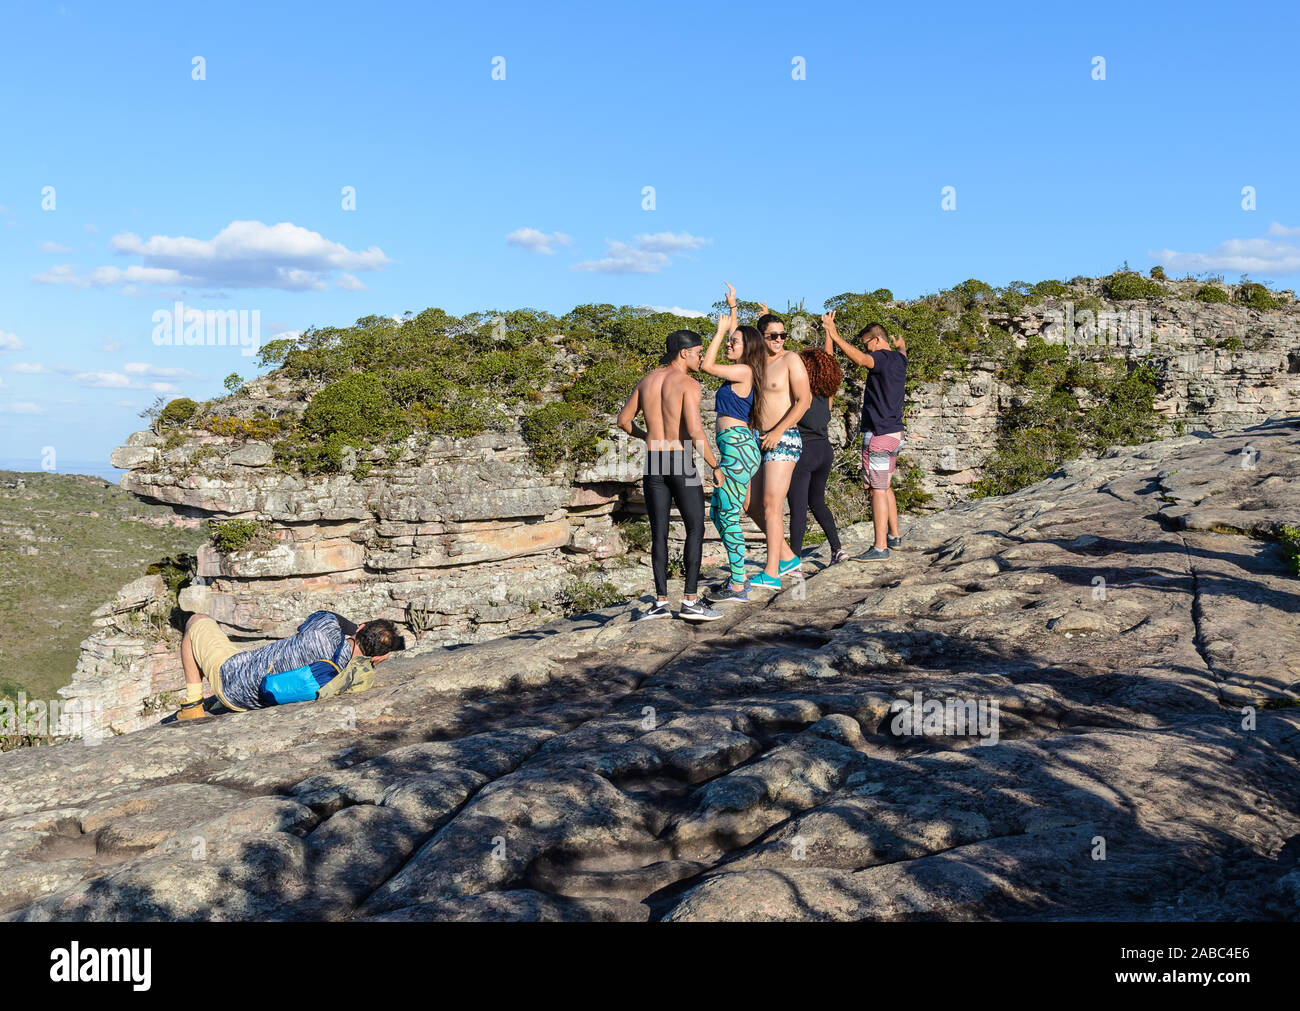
<point>582,596</point>
<point>229,536</point>
<point>1049,425</point>
<point>1126,285</point>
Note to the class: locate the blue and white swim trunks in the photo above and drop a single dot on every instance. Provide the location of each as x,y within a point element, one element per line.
<point>788,450</point>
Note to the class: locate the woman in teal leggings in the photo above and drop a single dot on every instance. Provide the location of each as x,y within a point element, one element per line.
<point>738,450</point>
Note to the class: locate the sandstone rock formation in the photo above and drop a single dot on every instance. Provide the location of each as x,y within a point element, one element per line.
<point>465,539</point>
<point>1132,619</point>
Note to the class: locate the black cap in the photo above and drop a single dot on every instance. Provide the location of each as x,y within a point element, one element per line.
<point>680,340</point>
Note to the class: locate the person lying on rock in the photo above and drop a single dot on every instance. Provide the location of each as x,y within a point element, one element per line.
<point>327,656</point>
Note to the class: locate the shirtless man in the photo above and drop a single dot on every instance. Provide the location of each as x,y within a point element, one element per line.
<point>786,395</point>
<point>669,398</point>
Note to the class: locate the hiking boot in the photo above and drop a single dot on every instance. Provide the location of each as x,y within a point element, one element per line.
<point>659,609</point>
<point>839,556</point>
<point>874,555</point>
<point>695,610</point>
<point>192,711</point>
<point>894,542</point>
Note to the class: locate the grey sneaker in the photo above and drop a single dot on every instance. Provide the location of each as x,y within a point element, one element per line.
<point>839,556</point>
<point>874,555</point>
<point>659,609</point>
<point>894,542</point>
<point>695,610</point>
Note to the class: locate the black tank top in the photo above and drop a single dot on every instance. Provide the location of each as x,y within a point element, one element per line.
<point>815,420</point>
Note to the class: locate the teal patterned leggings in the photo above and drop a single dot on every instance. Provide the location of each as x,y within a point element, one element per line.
<point>740,459</point>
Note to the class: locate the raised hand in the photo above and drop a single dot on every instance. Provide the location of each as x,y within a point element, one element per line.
<point>731,297</point>
<point>828,320</point>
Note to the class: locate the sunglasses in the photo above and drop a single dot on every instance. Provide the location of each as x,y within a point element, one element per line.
<point>774,337</point>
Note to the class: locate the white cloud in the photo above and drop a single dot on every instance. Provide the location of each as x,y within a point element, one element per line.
<point>10,342</point>
<point>537,242</point>
<point>244,254</point>
<point>62,274</point>
<point>1247,256</point>
<point>677,310</point>
<point>670,242</point>
<point>349,282</point>
<point>148,369</point>
<point>103,378</point>
<point>54,247</point>
<point>105,276</point>
<point>110,380</point>
<point>647,254</point>
<point>29,368</point>
<point>20,407</point>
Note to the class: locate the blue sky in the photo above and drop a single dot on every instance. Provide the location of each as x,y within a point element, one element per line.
<point>226,192</point>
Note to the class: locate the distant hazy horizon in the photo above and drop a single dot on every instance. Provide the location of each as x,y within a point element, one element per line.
<point>32,465</point>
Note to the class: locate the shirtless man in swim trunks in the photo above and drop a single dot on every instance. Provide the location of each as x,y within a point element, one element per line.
<point>786,395</point>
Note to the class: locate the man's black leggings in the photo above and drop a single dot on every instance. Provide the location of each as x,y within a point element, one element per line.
<point>808,490</point>
<point>668,480</point>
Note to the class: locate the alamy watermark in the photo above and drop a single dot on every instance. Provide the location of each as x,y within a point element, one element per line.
<point>189,327</point>
<point>38,718</point>
<point>951,717</point>
<point>1105,327</point>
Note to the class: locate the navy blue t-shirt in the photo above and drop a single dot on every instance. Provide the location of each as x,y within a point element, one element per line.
<point>882,401</point>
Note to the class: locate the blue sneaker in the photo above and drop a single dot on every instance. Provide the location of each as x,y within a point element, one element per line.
<point>766,582</point>
<point>789,565</point>
<point>729,595</point>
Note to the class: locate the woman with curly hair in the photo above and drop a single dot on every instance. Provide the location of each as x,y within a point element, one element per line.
<point>808,485</point>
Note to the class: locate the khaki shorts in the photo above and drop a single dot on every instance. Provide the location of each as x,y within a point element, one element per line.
<point>211,649</point>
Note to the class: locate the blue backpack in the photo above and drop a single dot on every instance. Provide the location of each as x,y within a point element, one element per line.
<point>298,685</point>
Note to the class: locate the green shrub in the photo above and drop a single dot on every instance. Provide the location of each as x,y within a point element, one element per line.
<point>909,489</point>
<point>177,571</point>
<point>303,455</point>
<point>233,383</point>
<point>260,426</point>
<point>556,431</point>
<point>1127,285</point>
<point>584,596</point>
<point>1049,425</point>
<point>356,407</point>
<point>1256,296</point>
<point>229,536</point>
<point>177,412</point>
<point>635,534</point>
<point>883,295</point>
<point>1158,273</point>
<point>1050,289</point>
<point>1290,541</point>
<point>1211,293</point>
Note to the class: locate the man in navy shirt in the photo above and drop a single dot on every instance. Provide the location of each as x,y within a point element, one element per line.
<point>882,424</point>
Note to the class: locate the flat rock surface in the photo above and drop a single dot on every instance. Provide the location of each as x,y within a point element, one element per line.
<point>1075,702</point>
